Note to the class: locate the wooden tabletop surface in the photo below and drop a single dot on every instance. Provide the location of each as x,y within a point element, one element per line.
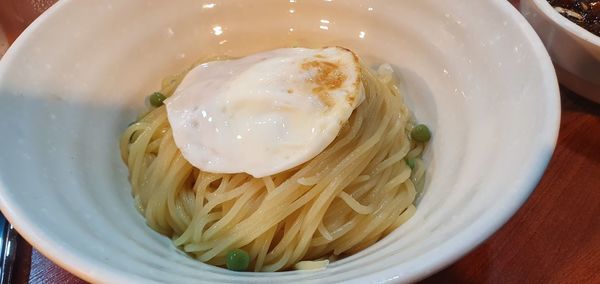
<point>553,238</point>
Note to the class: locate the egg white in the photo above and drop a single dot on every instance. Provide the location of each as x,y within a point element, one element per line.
<point>264,113</point>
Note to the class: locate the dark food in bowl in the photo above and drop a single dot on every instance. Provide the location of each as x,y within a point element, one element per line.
<point>585,13</point>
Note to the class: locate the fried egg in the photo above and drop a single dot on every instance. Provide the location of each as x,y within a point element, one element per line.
<point>264,113</point>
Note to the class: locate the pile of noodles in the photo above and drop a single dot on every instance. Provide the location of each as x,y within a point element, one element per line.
<point>348,197</point>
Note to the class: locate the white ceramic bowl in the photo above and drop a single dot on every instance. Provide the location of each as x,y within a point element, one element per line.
<point>473,70</point>
<point>574,50</point>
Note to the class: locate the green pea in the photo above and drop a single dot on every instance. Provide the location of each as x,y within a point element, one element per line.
<point>410,163</point>
<point>238,260</point>
<point>420,133</point>
<point>156,99</point>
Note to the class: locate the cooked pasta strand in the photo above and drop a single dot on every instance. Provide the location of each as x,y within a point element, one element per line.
<point>288,217</point>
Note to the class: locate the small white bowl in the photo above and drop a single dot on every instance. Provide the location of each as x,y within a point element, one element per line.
<point>474,71</point>
<point>574,50</point>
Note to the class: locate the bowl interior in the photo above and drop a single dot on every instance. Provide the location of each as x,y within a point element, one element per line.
<point>478,77</point>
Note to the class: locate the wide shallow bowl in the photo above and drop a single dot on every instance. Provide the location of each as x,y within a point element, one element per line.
<point>473,70</point>
<point>574,50</point>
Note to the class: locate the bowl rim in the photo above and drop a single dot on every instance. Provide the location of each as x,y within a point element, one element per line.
<point>566,24</point>
<point>491,221</point>
<point>93,270</point>
<point>86,268</point>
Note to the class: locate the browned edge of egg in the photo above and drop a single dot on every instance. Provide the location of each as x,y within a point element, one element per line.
<point>329,78</point>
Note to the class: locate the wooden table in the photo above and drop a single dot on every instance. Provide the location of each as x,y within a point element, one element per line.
<point>553,238</point>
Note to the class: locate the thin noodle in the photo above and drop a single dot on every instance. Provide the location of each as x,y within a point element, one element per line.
<point>355,205</point>
<point>288,217</point>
